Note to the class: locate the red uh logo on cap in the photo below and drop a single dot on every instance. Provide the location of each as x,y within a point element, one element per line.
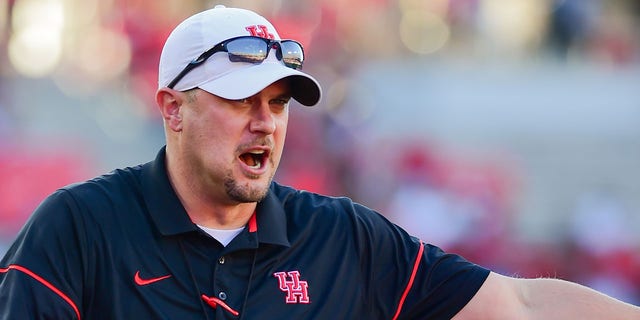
<point>260,31</point>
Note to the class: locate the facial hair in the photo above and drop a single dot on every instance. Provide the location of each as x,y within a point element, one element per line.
<point>245,193</point>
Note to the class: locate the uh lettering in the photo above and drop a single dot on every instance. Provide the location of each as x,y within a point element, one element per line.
<point>296,289</point>
<point>260,31</point>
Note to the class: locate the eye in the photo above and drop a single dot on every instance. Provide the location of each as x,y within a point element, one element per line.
<point>281,101</point>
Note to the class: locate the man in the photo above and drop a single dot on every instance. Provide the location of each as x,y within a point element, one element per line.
<point>202,232</point>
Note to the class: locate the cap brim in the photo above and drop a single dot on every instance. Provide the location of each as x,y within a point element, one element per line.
<point>245,82</point>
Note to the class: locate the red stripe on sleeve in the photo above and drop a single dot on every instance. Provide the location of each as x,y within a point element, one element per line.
<point>410,284</point>
<point>44,282</point>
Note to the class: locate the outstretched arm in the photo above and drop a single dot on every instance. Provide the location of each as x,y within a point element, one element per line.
<point>502,297</point>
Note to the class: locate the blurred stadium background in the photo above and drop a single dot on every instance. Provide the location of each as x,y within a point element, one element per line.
<point>504,130</point>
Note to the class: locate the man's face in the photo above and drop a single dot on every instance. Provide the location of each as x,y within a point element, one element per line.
<point>233,147</point>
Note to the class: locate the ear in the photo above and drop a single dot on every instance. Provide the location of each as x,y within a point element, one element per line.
<point>169,102</point>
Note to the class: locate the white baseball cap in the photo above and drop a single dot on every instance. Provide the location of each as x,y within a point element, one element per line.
<point>218,75</point>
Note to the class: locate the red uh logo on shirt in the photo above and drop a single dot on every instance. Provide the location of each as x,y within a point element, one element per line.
<point>260,31</point>
<point>296,289</point>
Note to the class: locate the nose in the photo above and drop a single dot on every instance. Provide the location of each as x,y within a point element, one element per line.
<point>262,120</point>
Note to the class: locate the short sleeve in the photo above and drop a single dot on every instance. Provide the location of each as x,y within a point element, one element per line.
<point>443,284</point>
<point>41,274</point>
<point>409,279</point>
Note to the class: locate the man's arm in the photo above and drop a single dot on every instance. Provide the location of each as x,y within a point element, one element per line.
<point>502,297</point>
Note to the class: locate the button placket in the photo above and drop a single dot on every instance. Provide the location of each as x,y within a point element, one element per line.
<point>220,271</point>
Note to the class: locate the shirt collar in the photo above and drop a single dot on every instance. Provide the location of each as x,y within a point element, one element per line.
<point>171,218</point>
<point>271,220</point>
<point>164,206</point>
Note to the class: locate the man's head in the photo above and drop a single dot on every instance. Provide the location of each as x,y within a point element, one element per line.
<point>217,74</point>
<point>225,82</point>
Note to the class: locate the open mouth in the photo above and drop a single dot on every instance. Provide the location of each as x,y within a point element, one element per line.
<point>254,159</point>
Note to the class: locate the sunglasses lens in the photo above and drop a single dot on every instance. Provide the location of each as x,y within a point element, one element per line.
<point>250,50</point>
<point>255,50</point>
<point>292,54</point>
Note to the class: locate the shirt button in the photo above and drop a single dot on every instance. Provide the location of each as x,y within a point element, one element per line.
<point>221,260</point>
<point>222,295</point>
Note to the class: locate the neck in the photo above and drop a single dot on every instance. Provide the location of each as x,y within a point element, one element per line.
<point>221,218</point>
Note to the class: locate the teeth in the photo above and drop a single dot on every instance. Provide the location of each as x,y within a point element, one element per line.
<point>253,158</point>
<point>257,164</point>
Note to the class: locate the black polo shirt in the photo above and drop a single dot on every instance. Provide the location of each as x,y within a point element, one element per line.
<point>121,246</point>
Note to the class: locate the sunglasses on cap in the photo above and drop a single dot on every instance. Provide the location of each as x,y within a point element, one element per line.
<point>249,49</point>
